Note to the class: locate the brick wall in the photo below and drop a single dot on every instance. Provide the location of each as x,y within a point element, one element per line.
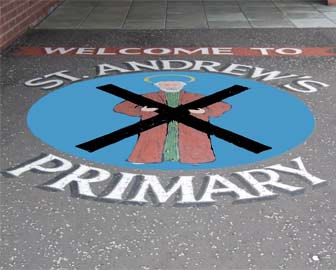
<point>16,16</point>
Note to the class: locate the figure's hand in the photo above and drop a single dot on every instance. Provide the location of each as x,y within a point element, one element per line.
<point>146,109</point>
<point>198,111</point>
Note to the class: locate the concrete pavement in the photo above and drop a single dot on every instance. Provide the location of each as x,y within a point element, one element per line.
<point>66,208</point>
<point>207,14</point>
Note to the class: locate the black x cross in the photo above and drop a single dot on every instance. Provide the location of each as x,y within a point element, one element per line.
<point>167,114</point>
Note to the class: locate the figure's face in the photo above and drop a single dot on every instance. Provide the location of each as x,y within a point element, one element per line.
<point>170,86</point>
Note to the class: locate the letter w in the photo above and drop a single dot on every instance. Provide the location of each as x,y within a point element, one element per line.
<point>270,75</point>
<point>49,50</point>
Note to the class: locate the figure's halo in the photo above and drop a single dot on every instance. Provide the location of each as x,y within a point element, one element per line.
<point>148,79</point>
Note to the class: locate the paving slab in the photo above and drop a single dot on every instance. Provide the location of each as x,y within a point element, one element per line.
<point>313,22</point>
<point>141,24</point>
<point>250,187</point>
<point>195,14</point>
<point>106,17</point>
<point>330,15</point>
<point>271,23</point>
<point>229,24</point>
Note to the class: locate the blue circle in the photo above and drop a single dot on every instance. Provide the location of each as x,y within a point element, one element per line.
<point>80,112</point>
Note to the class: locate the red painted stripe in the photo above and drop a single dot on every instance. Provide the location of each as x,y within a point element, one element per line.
<point>235,51</point>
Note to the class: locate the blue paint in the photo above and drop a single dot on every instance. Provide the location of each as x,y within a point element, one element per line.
<point>79,112</point>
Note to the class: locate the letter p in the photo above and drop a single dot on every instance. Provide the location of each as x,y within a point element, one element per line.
<point>41,165</point>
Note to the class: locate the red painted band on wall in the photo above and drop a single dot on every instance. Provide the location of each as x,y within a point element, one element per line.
<point>176,51</point>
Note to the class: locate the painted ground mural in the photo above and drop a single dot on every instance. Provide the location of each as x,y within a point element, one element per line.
<point>201,150</point>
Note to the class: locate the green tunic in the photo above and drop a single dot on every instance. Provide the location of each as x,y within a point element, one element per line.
<point>171,147</point>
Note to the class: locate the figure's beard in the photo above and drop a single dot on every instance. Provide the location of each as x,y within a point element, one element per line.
<point>171,89</point>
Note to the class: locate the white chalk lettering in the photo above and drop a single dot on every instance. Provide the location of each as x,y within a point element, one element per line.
<point>49,50</point>
<point>83,183</point>
<point>184,184</point>
<point>54,82</point>
<point>230,188</point>
<point>236,69</point>
<point>130,51</point>
<point>102,51</point>
<point>273,181</point>
<point>258,73</point>
<point>203,51</point>
<point>206,65</point>
<point>120,188</point>
<point>307,86</point>
<point>301,171</point>
<point>86,51</point>
<point>41,82</point>
<point>104,69</point>
<point>136,66</point>
<point>60,165</point>
<point>222,51</point>
<point>169,64</point>
<point>263,51</point>
<point>62,74</point>
<point>288,51</point>
<point>157,51</point>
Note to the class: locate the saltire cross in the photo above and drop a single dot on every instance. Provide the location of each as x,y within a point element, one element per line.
<point>165,114</point>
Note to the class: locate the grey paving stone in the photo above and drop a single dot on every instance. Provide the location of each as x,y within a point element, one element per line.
<point>141,24</point>
<point>223,2</point>
<point>59,24</point>
<point>295,3</point>
<point>81,3</point>
<point>219,13</point>
<point>83,10</point>
<point>147,11</point>
<point>330,15</point>
<point>116,3</point>
<point>69,15</point>
<point>184,10</point>
<point>187,18</point>
<point>275,23</point>
<point>110,18</point>
<point>261,12</point>
<point>234,17</point>
<point>306,15</point>
<point>222,7</point>
<point>265,16</point>
<point>259,8</point>
<point>183,13</point>
<point>322,7</point>
<point>298,9</point>
<point>148,7</point>
<point>113,14</point>
<point>102,25</point>
<point>255,3</point>
<point>188,24</point>
<point>219,4</point>
<point>307,23</point>
<point>145,16</point>
<point>228,24</point>
<point>105,18</point>
<point>108,12</point>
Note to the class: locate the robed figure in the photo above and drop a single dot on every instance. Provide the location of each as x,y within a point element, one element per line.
<point>173,141</point>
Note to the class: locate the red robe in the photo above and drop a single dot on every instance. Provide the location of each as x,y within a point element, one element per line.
<point>194,146</point>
